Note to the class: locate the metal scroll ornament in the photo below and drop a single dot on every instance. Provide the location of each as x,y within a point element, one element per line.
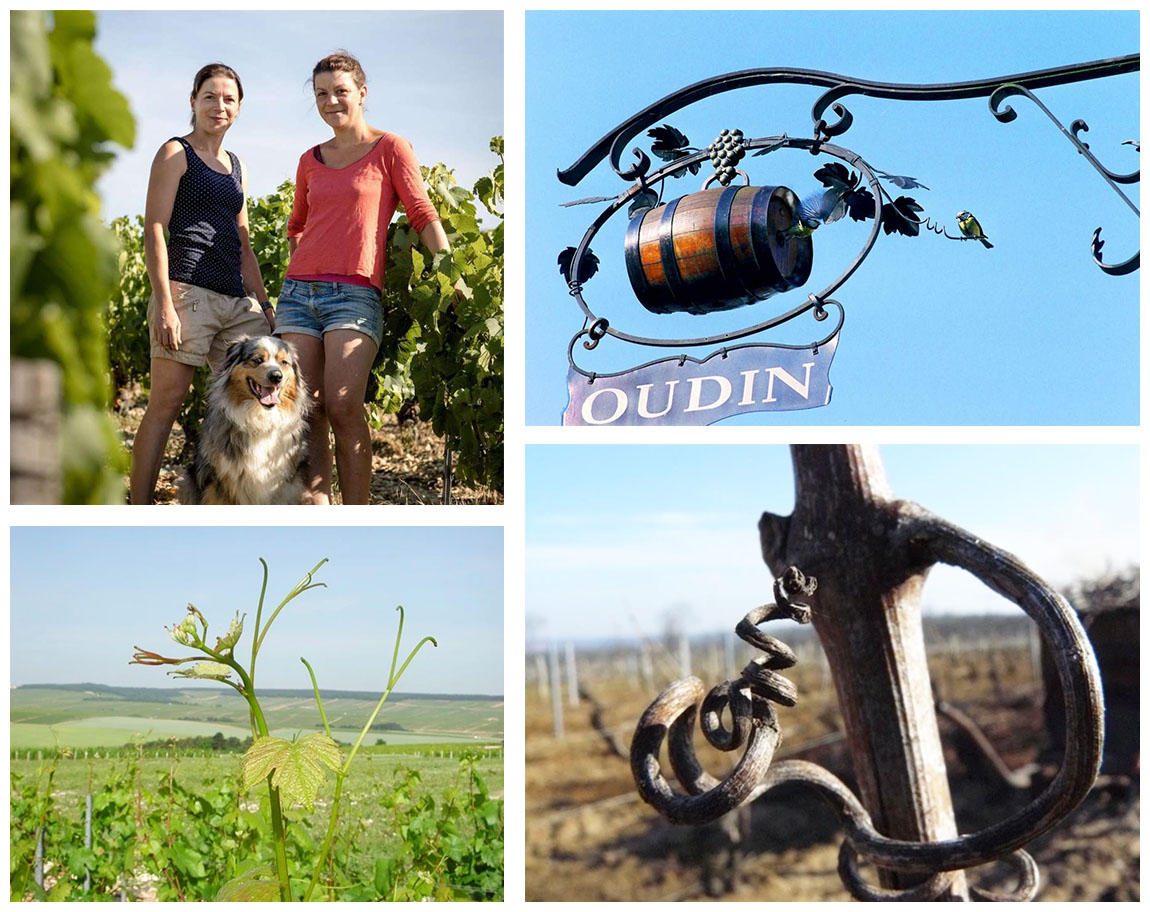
<point>735,244</point>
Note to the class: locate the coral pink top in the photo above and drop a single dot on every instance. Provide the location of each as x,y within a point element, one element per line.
<point>341,214</point>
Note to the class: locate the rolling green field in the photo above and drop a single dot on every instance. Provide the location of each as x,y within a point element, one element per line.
<point>92,716</point>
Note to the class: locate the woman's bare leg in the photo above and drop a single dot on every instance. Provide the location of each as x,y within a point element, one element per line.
<point>171,381</point>
<point>311,361</point>
<point>348,356</point>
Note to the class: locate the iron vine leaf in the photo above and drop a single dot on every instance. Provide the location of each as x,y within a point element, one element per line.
<point>860,204</point>
<point>902,181</point>
<point>836,176</point>
<point>588,266</point>
<point>669,142</point>
<point>901,216</point>
<point>644,199</point>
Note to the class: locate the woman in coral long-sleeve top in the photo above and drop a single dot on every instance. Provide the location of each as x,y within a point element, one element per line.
<point>330,308</point>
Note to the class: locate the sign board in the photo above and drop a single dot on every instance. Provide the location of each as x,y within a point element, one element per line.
<point>684,391</point>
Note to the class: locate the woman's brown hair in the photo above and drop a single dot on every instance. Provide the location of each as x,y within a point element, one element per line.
<point>207,72</point>
<point>340,62</point>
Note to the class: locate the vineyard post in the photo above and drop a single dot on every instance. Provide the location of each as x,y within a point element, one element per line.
<point>556,692</point>
<point>87,839</point>
<point>684,656</point>
<point>869,622</point>
<point>645,666</point>
<point>38,859</point>
<point>541,676</point>
<point>572,676</point>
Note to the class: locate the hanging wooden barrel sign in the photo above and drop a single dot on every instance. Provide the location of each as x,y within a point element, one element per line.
<point>716,250</point>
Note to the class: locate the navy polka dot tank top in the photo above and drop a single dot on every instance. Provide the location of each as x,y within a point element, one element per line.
<point>203,237</point>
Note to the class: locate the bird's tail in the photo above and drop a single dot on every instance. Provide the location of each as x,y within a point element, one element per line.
<point>986,243</point>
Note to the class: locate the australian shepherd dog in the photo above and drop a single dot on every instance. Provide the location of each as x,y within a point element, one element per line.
<point>253,442</point>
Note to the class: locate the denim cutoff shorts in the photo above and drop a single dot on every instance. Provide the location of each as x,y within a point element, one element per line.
<point>314,308</point>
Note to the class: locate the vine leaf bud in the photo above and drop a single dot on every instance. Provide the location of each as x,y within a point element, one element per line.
<point>235,630</point>
<point>214,670</point>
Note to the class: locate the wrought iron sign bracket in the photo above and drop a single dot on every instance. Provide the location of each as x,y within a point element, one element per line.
<point>770,225</point>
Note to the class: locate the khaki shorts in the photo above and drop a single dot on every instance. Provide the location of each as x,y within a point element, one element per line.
<point>209,323</point>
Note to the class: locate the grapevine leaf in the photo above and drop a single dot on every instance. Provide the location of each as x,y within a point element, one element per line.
<point>262,757</point>
<point>187,860</point>
<point>229,639</point>
<point>901,216</point>
<point>214,670</point>
<point>296,768</point>
<point>644,199</point>
<point>257,885</point>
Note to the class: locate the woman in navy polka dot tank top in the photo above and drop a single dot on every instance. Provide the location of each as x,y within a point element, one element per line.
<point>206,285</point>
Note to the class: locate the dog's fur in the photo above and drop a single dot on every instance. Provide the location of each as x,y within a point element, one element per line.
<point>253,444</point>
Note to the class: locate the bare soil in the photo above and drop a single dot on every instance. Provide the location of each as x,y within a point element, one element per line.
<point>407,461</point>
<point>590,838</point>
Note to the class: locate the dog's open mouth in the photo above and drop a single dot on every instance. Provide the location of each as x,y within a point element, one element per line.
<point>268,396</point>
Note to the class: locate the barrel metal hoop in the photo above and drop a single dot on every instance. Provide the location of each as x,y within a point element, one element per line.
<point>634,259</point>
<point>667,252</point>
<point>724,250</point>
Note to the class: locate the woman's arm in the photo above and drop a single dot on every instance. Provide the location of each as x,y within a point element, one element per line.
<point>409,185</point>
<point>249,265</point>
<point>434,238</point>
<point>298,218</point>
<point>167,169</point>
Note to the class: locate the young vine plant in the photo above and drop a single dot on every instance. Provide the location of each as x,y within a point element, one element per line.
<point>292,771</point>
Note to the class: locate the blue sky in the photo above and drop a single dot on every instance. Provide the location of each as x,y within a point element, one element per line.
<point>82,597</point>
<point>435,78</point>
<point>620,538</point>
<point>936,333</point>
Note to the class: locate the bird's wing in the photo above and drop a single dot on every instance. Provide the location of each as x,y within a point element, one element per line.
<point>837,207</point>
<point>821,206</point>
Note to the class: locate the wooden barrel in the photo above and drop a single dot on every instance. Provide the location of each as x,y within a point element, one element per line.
<point>716,249</point>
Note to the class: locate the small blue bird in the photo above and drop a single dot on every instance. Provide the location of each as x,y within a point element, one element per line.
<point>970,228</point>
<point>820,208</point>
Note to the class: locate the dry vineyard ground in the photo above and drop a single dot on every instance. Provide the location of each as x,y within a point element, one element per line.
<point>590,838</point>
<point>407,461</point>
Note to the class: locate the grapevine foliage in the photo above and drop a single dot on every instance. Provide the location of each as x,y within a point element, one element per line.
<point>153,831</point>
<point>453,304</point>
<point>64,115</point>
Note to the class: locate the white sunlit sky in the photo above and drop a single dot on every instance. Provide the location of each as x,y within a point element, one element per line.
<point>83,597</point>
<point>936,332</point>
<point>433,77</point>
<point>622,538</point>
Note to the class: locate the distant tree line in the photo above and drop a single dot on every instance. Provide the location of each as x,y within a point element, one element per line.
<point>217,742</point>
<point>168,695</point>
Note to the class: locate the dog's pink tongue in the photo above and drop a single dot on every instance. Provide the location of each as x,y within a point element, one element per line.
<point>269,395</point>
